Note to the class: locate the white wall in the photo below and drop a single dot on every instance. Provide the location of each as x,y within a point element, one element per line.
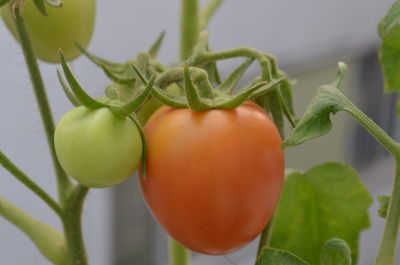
<point>293,30</point>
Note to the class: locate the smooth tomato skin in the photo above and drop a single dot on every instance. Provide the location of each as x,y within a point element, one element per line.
<point>96,148</point>
<point>61,28</point>
<point>213,178</point>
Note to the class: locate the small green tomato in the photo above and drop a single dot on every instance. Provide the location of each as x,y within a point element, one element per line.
<point>61,28</point>
<point>97,148</point>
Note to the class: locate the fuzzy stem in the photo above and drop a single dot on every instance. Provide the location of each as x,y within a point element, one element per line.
<point>72,225</point>
<point>41,97</point>
<point>189,27</point>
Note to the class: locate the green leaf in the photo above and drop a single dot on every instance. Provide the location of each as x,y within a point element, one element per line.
<point>3,2</point>
<point>389,53</point>
<point>335,252</point>
<point>384,205</point>
<point>40,6</point>
<point>49,241</point>
<point>272,256</point>
<point>316,119</point>
<point>327,201</point>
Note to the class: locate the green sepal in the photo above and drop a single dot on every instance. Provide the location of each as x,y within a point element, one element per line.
<point>286,109</point>
<point>170,100</point>
<point>80,94</point>
<point>383,205</point>
<point>316,119</point>
<point>67,90</point>
<point>287,95</point>
<point>161,95</point>
<point>155,47</point>
<point>117,79</point>
<point>140,74</point>
<point>40,6</point>
<point>3,2</point>
<point>273,256</point>
<point>49,241</point>
<point>267,88</point>
<point>234,101</point>
<point>231,81</point>
<point>195,102</point>
<point>111,66</point>
<point>135,103</point>
<point>335,252</point>
<point>144,145</point>
<point>54,3</point>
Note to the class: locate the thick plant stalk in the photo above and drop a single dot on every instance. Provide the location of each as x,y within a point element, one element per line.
<point>178,255</point>
<point>189,27</point>
<point>41,97</point>
<point>72,226</point>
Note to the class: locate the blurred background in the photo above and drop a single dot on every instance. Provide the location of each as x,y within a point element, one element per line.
<point>308,37</point>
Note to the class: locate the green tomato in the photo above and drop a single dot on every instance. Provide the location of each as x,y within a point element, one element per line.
<point>61,28</point>
<point>97,148</point>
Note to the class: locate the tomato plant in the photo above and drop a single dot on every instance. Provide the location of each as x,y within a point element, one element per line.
<point>61,28</point>
<point>212,165</point>
<point>213,172</point>
<point>96,148</point>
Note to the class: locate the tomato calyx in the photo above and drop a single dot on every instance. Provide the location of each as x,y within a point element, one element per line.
<point>79,95</point>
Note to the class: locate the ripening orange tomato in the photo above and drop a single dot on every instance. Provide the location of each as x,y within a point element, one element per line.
<point>213,178</point>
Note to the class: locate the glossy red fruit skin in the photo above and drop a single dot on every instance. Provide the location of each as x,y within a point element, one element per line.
<point>213,178</point>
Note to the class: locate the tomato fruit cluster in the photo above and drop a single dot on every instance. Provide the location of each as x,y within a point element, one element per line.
<point>61,28</point>
<point>213,178</point>
<point>97,148</point>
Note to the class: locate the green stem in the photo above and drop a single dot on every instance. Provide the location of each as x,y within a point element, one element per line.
<point>178,255</point>
<point>380,135</point>
<point>21,176</point>
<point>72,225</point>
<point>387,250</point>
<point>62,181</point>
<point>265,238</point>
<point>189,27</point>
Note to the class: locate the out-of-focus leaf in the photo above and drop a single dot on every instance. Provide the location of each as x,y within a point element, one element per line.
<point>327,201</point>
<point>389,52</point>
